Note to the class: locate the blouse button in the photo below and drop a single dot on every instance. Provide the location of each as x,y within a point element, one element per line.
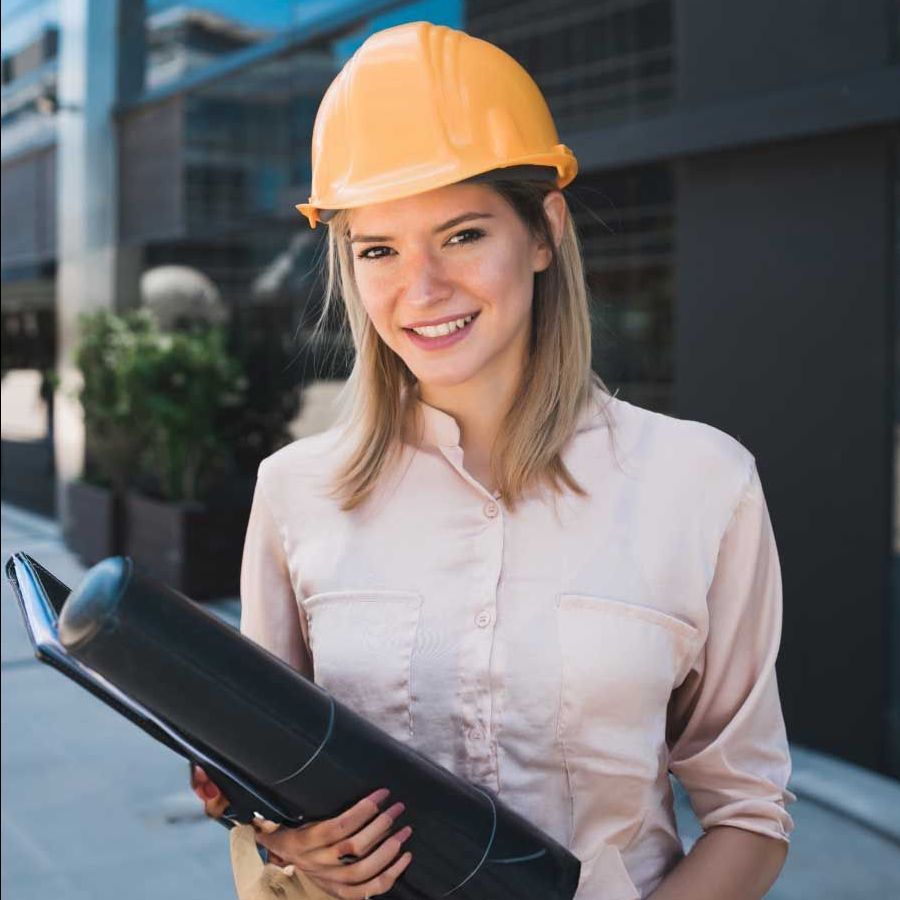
<point>483,619</point>
<point>490,509</point>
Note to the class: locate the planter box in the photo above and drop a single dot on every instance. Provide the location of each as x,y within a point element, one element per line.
<point>192,547</point>
<point>29,476</point>
<point>95,525</point>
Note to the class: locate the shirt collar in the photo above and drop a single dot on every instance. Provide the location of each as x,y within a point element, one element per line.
<point>440,429</point>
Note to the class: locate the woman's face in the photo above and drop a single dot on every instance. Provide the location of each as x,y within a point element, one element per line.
<point>445,255</point>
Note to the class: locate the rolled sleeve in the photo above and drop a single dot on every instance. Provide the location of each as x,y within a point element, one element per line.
<point>269,611</point>
<point>726,733</point>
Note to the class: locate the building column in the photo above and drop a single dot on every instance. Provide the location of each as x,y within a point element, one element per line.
<point>101,62</point>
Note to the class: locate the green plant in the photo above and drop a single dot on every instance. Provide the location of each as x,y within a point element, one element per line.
<point>112,436</point>
<point>162,410</point>
<point>184,389</point>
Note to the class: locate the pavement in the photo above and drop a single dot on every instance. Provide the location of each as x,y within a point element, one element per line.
<point>93,809</point>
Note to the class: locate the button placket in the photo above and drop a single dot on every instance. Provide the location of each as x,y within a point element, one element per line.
<point>480,735</point>
<point>477,688</point>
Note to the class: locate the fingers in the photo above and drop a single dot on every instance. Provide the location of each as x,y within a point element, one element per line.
<point>361,843</point>
<point>317,848</point>
<point>215,806</point>
<point>381,884</point>
<point>369,866</point>
<point>197,775</point>
<point>214,801</point>
<point>290,843</point>
<point>264,826</point>
<point>350,821</point>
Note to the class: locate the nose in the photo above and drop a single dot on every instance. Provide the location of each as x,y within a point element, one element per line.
<point>425,280</point>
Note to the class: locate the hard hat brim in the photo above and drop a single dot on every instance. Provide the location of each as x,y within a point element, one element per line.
<point>559,168</point>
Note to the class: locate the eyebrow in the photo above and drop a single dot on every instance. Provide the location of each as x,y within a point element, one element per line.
<point>456,220</point>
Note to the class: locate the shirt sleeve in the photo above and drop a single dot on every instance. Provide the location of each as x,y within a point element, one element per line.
<point>726,734</point>
<point>269,610</point>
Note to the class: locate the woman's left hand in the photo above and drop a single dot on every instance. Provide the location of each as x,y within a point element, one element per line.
<point>326,870</point>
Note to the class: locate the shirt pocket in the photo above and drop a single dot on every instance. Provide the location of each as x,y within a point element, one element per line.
<point>619,664</point>
<point>361,644</point>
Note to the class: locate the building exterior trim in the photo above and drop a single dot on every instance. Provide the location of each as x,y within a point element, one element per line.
<point>844,104</point>
<point>308,28</point>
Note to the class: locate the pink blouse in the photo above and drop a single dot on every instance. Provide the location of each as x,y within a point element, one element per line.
<point>568,656</point>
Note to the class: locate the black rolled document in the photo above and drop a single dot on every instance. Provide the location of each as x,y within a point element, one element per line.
<point>275,742</point>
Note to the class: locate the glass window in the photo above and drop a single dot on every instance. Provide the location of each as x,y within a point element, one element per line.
<point>596,63</point>
<point>626,222</point>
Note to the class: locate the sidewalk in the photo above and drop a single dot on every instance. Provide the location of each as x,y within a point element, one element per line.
<point>93,809</point>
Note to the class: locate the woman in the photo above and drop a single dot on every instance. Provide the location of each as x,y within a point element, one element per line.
<point>548,590</point>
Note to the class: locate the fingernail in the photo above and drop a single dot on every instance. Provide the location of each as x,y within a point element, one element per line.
<point>288,870</point>
<point>379,795</point>
<point>210,790</point>
<point>396,809</point>
<point>404,833</point>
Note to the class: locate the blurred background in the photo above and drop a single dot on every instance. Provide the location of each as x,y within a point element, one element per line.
<point>739,205</point>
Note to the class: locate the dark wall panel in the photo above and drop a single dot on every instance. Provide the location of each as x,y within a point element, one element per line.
<point>783,299</point>
<point>730,49</point>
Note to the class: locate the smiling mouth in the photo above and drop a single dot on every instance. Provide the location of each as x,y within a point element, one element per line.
<point>445,328</point>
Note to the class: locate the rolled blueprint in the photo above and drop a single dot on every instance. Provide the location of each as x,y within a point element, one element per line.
<point>296,743</point>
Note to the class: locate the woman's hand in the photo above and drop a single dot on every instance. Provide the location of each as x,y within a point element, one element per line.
<point>317,849</point>
<point>358,835</point>
<point>214,801</point>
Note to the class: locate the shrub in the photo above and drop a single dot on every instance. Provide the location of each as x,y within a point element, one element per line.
<point>162,411</point>
<point>112,439</point>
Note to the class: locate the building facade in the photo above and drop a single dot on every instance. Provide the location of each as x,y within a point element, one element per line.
<point>737,199</point>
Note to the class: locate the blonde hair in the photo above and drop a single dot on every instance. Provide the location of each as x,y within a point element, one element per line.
<point>556,385</point>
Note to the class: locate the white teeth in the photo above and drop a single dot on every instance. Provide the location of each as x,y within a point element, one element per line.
<point>445,328</point>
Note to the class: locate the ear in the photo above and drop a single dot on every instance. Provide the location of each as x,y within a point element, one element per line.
<point>556,209</point>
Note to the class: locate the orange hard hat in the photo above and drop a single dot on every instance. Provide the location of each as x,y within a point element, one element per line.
<point>419,106</point>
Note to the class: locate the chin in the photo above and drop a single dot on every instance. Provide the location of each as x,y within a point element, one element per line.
<point>443,379</point>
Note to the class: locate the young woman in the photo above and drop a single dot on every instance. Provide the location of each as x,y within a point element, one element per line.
<point>548,590</point>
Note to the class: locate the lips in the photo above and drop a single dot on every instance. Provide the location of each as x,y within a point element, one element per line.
<point>443,321</point>
<point>440,342</point>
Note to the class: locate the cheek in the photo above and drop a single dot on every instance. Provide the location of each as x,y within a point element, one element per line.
<point>381,310</point>
<point>505,279</point>
<point>376,297</point>
<point>367,288</point>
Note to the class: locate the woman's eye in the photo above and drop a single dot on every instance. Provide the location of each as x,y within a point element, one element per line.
<point>475,232</point>
<point>364,254</point>
<point>469,236</point>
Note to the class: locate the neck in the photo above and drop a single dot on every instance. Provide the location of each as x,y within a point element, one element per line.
<point>479,410</point>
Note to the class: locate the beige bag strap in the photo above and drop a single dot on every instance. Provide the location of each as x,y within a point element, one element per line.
<point>256,880</point>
